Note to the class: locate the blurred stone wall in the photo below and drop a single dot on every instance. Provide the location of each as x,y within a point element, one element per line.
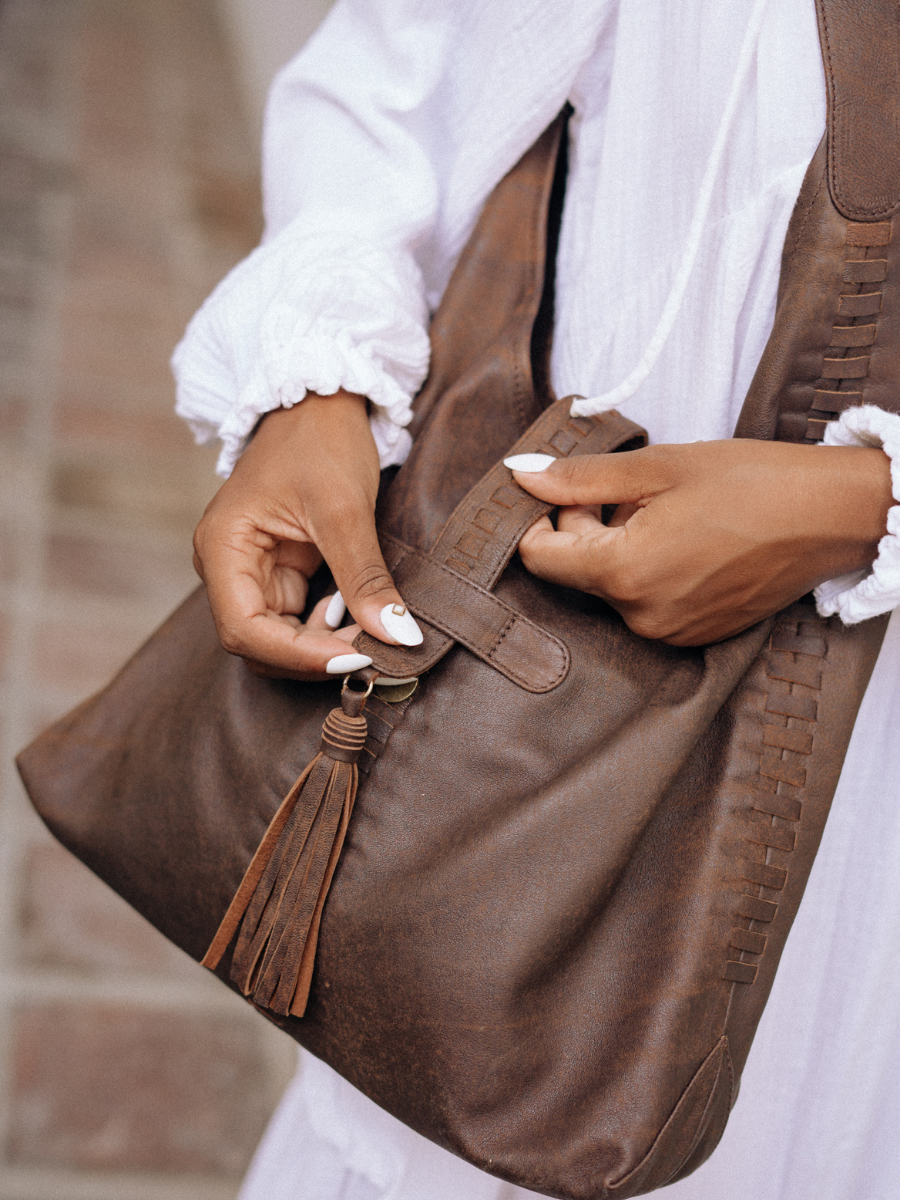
<point>127,189</point>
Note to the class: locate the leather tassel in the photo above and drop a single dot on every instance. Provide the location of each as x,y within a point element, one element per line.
<point>277,910</point>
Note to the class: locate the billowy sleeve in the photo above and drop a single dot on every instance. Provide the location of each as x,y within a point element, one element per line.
<point>382,140</point>
<point>864,594</point>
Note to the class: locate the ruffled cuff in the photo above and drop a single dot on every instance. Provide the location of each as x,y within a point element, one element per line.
<point>864,594</point>
<point>304,314</point>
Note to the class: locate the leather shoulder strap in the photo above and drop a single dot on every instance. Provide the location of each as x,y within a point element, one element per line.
<point>493,297</point>
<point>861,53</point>
<point>484,387</point>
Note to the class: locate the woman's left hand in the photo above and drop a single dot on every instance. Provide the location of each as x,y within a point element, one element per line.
<point>709,537</point>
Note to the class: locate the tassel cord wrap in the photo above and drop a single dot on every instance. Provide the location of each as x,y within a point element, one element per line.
<point>277,910</point>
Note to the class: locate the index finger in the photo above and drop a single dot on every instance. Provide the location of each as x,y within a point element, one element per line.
<point>591,479</point>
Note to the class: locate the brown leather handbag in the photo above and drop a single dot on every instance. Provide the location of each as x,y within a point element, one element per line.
<point>559,893</point>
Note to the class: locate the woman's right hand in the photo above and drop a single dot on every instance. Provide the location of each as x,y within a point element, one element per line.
<point>303,490</point>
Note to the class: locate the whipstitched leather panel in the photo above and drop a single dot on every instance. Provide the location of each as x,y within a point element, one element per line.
<point>795,653</point>
<point>856,330</point>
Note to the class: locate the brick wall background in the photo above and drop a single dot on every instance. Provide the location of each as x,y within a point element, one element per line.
<point>127,188</point>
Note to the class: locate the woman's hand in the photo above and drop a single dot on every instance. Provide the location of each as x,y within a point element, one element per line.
<point>709,537</point>
<point>304,489</point>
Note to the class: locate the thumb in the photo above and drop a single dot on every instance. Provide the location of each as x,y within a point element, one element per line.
<point>349,545</point>
<point>589,479</point>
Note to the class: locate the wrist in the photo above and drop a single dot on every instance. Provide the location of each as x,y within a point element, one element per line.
<point>316,427</point>
<point>315,411</point>
<point>861,490</point>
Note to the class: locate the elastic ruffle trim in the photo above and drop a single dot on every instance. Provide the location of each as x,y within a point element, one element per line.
<point>304,315</point>
<point>863,594</point>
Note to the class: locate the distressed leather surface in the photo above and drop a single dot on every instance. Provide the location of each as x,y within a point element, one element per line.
<point>558,912</point>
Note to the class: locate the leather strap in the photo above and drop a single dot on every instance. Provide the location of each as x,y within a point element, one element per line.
<point>493,631</point>
<point>862,75</point>
<point>449,587</point>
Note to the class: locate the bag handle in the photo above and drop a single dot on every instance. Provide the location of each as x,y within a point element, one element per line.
<point>449,587</point>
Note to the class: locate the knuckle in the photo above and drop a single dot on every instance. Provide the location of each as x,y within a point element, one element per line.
<point>527,553</point>
<point>199,538</point>
<point>655,625</point>
<point>682,639</point>
<point>646,625</point>
<point>642,626</point>
<point>659,464</point>
<point>366,580</point>
<point>231,639</point>
<point>626,587</point>
<point>581,472</point>
<point>576,467</point>
<point>206,531</point>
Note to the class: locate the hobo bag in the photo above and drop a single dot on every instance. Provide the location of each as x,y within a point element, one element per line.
<point>534,908</point>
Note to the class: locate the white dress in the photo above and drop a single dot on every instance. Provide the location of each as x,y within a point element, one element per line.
<point>694,124</point>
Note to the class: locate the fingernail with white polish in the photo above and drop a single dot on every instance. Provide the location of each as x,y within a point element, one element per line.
<point>334,613</point>
<point>400,624</point>
<point>345,663</point>
<point>529,462</point>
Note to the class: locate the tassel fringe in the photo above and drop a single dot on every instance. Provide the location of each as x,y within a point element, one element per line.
<point>277,910</point>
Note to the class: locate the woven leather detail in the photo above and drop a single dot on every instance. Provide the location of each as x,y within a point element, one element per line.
<point>853,335</point>
<point>862,233</point>
<point>862,304</point>
<point>865,270</point>
<point>835,402</point>
<point>854,328</point>
<point>794,675</point>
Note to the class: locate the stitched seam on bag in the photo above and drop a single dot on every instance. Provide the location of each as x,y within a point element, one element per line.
<point>826,38</point>
<point>802,230</point>
<point>726,1056</point>
<point>541,682</point>
<point>628,1176</point>
<point>554,679</point>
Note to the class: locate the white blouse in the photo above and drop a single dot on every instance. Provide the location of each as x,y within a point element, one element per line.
<point>386,134</point>
<point>694,124</point>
